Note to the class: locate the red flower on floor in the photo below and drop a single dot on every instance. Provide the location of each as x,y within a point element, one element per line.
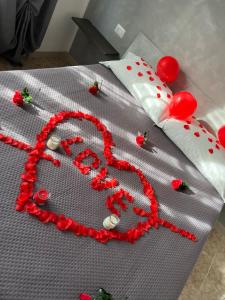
<point>18,98</point>
<point>178,184</point>
<point>141,139</point>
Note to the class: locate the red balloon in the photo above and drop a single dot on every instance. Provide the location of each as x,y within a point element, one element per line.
<point>168,68</point>
<point>182,105</point>
<point>221,136</point>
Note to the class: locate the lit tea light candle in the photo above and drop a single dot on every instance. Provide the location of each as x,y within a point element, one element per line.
<point>41,196</point>
<point>111,222</point>
<point>53,142</point>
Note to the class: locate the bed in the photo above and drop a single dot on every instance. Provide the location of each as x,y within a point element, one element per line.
<point>38,261</point>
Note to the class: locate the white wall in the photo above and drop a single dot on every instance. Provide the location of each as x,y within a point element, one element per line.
<point>61,30</point>
<point>193,31</point>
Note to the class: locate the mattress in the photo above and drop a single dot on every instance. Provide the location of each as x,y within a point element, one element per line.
<point>39,262</point>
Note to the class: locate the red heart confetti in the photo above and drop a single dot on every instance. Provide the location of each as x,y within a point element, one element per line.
<point>186,127</point>
<point>129,68</point>
<point>197,134</point>
<point>140,74</point>
<point>217,147</point>
<point>210,151</point>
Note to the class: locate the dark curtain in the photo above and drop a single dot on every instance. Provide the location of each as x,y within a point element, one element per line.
<point>23,24</point>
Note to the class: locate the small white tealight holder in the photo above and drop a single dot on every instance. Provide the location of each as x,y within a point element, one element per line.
<point>53,142</point>
<point>111,222</point>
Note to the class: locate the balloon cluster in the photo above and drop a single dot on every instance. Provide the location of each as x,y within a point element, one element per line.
<point>183,104</point>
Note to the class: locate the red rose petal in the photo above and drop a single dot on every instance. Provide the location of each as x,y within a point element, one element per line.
<point>144,64</point>
<point>210,151</point>
<point>149,72</point>
<point>203,130</point>
<point>210,140</point>
<point>137,63</point>
<point>140,74</point>
<point>164,85</point>
<point>217,147</point>
<point>151,78</point>
<point>129,68</point>
<point>197,134</point>
<point>168,96</point>
<point>186,127</point>
<point>159,87</point>
<point>158,95</point>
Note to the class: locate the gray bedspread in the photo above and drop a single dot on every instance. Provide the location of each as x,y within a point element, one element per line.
<point>39,262</point>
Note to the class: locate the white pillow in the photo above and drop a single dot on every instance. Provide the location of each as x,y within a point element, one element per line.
<point>142,82</point>
<point>201,147</point>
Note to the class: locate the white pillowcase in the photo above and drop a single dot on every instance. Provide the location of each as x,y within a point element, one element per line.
<point>142,82</point>
<point>201,147</point>
<point>198,144</point>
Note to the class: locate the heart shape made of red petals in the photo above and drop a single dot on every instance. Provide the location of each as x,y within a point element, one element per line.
<point>29,178</point>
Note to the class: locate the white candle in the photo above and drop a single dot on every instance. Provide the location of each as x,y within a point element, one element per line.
<point>53,142</point>
<point>111,222</point>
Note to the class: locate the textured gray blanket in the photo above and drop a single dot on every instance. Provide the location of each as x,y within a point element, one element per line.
<point>39,262</point>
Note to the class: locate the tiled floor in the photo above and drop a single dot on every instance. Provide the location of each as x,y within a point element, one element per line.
<point>41,60</point>
<point>207,280</point>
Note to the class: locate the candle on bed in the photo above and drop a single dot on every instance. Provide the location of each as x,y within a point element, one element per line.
<point>53,142</point>
<point>111,222</point>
